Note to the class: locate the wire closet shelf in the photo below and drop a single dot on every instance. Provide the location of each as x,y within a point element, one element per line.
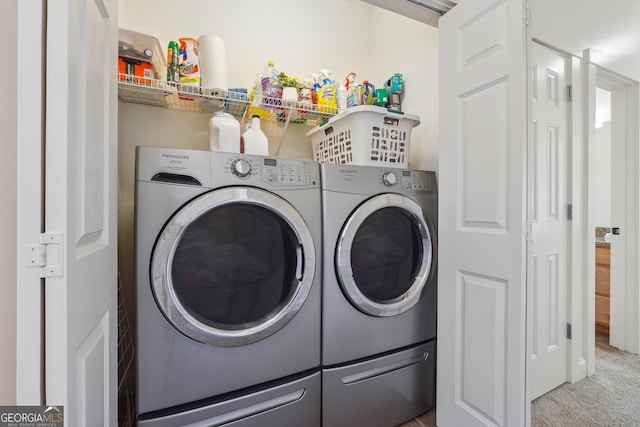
<point>159,93</point>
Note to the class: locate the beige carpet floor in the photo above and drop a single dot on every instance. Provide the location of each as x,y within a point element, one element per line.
<point>610,398</point>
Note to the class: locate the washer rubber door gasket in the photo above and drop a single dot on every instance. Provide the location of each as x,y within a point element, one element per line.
<point>229,330</point>
<point>412,276</point>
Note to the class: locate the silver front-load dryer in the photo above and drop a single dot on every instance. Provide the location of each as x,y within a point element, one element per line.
<point>379,294</point>
<point>227,286</point>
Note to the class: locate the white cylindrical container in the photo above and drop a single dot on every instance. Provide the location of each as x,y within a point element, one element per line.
<point>224,133</point>
<point>289,96</point>
<point>255,141</point>
<point>213,62</point>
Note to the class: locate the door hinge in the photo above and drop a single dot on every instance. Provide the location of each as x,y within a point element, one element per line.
<point>527,231</point>
<point>570,93</point>
<point>568,330</point>
<point>570,211</point>
<point>46,255</point>
<point>527,16</point>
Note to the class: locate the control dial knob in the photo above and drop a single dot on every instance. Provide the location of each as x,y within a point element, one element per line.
<point>241,168</point>
<point>389,178</point>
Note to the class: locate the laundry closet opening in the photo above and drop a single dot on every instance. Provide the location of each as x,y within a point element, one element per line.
<point>357,40</point>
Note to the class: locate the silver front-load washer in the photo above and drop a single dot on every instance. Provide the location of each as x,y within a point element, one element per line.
<point>379,294</point>
<point>227,289</point>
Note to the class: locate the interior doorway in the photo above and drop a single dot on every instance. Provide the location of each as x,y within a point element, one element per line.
<point>624,236</point>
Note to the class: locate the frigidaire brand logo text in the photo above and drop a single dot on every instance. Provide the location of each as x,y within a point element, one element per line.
<point>176,156</point>
<point>347,171</point>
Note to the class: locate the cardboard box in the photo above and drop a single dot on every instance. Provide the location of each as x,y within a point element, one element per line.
<point>144,49</point>
<point>395,84</point>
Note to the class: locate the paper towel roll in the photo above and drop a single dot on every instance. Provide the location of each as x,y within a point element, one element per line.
<point>213,62</point>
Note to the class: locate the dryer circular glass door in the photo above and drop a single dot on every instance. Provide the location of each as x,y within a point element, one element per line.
<point>233,266</point>
<point>384,255</point>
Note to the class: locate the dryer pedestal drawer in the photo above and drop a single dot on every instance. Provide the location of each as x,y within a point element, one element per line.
<point>380,392</point>
<point>296,403</point>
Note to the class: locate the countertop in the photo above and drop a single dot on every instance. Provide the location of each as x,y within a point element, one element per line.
<point>600,237</point>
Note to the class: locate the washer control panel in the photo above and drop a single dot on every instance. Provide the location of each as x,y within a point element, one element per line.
<point>272,172</point>
<point>285,171</point>
<point>241,168</point>
<point>385,177</point>
<point>389,178</point>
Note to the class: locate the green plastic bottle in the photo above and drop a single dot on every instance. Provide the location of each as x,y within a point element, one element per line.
<point>173,61</point>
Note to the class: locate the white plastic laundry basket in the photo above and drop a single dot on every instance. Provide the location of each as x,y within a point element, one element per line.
<point>364,135</point>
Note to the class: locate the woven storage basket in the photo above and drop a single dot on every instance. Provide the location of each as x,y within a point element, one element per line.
<point>364,135</point>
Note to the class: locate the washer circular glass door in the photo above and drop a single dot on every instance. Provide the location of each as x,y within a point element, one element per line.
<point>233,266</point>
<point>384,255</point>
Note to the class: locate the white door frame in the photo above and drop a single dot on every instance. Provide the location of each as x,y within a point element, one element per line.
<point>625,298</point>
<point>29,346</point>
<point>577,356</point>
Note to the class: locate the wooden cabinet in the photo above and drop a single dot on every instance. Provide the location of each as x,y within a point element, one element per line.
<point>603,262</point>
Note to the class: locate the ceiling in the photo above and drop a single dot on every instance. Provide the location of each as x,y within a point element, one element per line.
<point>611,33</point>
<point>611,30</point>
<point>426,11</point>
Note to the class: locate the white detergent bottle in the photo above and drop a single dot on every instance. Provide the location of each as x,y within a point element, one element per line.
<point>224,133</point>
<point>255,141</point>
<point>341,98</point>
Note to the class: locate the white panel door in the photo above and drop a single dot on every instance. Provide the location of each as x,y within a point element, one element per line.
<point>482,277</point>
<point>81,204</point>
<point>548,195</point>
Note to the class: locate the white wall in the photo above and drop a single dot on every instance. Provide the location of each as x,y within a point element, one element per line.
<point>411,47</point>
<point>300,36</point>
<point>603,176</point>
<point>345,36</point>
<point>8,215</point>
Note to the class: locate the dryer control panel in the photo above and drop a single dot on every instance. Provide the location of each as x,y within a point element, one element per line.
<point>285,171</point>
<point>417,181</point>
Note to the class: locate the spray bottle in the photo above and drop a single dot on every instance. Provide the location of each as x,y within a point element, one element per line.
<point>353,92</point>
<point>173,61</point>
<point>341,97</point>
<point>270,88</point>
<point>256,99</point>
<point>316,84</point>
<point>327,93</point>
<point>369,95</point>
<point>305,96</point>
<point>189,69</point>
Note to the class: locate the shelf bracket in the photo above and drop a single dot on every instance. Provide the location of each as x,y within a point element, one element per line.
<point>284,132</point>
